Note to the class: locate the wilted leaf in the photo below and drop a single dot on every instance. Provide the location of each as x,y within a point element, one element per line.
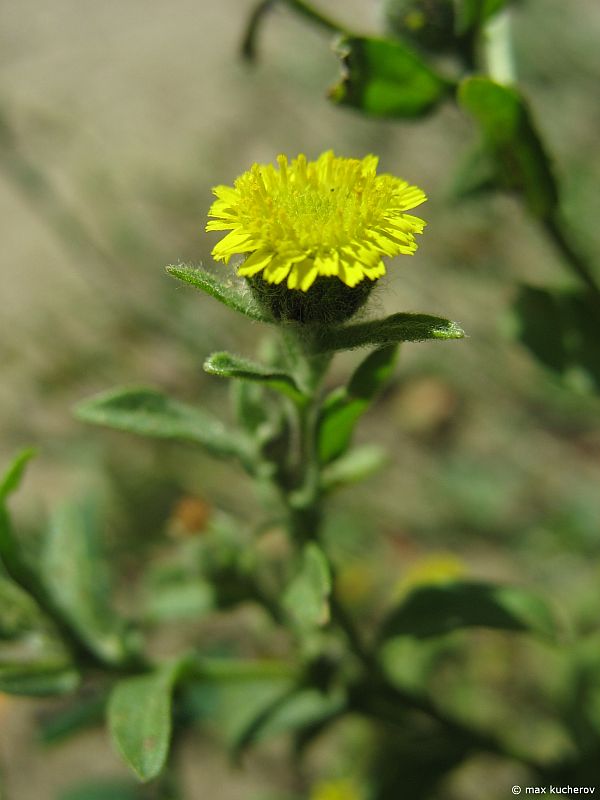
<point>385,78</point>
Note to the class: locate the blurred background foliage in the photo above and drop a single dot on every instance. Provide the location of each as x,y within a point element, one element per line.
<point>115,122</point>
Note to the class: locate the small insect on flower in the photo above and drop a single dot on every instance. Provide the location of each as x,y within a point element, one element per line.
<point>333,217</point>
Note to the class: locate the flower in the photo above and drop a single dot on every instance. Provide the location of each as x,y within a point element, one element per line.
<point>335,790</point>
<point>330,217</point>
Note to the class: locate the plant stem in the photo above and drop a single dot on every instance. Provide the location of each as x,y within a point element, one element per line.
<point>555,230</point>
<point>498,51</point>
<point>313,15</point>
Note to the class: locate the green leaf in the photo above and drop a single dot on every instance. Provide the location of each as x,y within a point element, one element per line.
<point>354,466</point>
<point>38,679</point>
<point>472,14</point>
<point>77,714</point>
<point>436,610</point>
<point>103,790</point>
<point>18,612</point>
<point>140,719</point>
<point>510,134</point>
<point>292,711</point>
<point>149,413</point>
<point>307,598</point>
<point>11,479</point>
<point>391,330</point>
<point>562,330</point>
<point>229,293</point>
<point>385,78</point>
<point>344,407</point>
<point>226,365</point>
<point>75,575</point>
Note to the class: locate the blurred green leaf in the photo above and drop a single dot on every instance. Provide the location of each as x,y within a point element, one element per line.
<point>75,575</point>
<point>510,134</point>
<point>391,330</point>
<point>562,330</point>
<point>226,365</point>
<point>342,409</point>
<point>11,479</point>
<point>307,597</point>
<point>149,413</point>
<point>250,404</point>
<point>471,14</point>
<point>38,679</point>
<point>385,78</point>
<point>353,466</point>
<point>187,599</point>
<point>77,714</point>
<point>18,612</point>
<point>293,711</point>
<point>140,719</point>
<point>434,610</point>
<point>101,790</point>
<point>229,294</point>
<point>476,175</point>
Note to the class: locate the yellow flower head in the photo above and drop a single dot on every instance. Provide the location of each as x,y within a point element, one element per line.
<point>330,217</point>
<point>335,790</point>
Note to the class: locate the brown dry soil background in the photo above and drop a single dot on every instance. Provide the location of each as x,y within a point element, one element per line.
<point>117,118</point>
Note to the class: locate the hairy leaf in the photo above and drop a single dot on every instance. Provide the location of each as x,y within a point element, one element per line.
<point>229,293</point>
<point>226,365</point>
<point>149,413</point>
<point>385,78</point>
<point>400,327</point>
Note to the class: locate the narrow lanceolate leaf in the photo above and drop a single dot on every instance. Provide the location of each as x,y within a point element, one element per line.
<point>436,610</point>
<point>226,365</point>
<point>511,137</point>
<point>345,406</point>
<point>391,330</point>
<point>11,479</point>
<point>38,679</point>
<point>149,413</point>
<point>561,329</point>
<point>140,719</point>
<point>307,598</point>
<point>354,466</point>
<point>385,78</point>
<point>229,294</point>
<point>74,574</point>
